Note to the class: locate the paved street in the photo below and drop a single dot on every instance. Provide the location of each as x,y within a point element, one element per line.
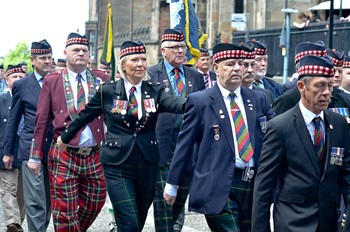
<point>193,222</point>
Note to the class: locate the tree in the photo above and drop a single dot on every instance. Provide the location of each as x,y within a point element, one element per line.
<point>19,54</point>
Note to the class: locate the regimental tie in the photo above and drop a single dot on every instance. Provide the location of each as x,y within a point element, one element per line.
<point>245,148</point>
<point>133,103</point>
<point>80,94</point>
<point>179,83</point>
<point>318,137</point>
<point>206,80</point>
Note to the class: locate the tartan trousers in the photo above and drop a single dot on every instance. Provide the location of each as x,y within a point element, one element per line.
<point>237,213</point>
<point>78,190</point>
<point>165,215</point>
<point>130,187</point>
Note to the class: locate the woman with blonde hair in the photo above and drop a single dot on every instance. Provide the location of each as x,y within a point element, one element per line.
<point>129,153</point>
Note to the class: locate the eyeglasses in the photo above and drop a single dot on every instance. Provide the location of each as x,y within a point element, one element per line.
<point>176,48</point>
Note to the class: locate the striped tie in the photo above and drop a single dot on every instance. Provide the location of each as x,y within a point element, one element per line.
<point>133,103</point>
<point>318,137</point>
<point>245,148</point>
<point>206,80</point>
<point>179,83</point>
<point>80,94</point>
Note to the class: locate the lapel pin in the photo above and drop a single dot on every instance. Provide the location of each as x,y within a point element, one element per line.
<point>331,126</point>
<point>248,100</point>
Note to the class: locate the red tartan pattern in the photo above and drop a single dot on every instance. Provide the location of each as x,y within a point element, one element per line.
<point>132,50</point>
<point>260,51</point>
<point>309,52</point>
<point>173,37</point>
<point>229,54</point>
<point>35,51</point>
<point>315,70</point>
<point>78,190</point>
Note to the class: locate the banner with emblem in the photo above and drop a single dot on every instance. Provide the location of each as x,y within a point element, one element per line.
<point>184,17</point>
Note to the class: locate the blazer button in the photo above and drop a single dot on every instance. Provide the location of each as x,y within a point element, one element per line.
<point>99,117</point>
<point>135,135</point>
<point>64,124</point>
<point>5,120</point>
<point>98,130</point>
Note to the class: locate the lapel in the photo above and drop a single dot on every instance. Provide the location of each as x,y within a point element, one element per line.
<point>305,139</point>
<point>329,139</point>
<point>220,111</point>
<point>250,111</point>
<point>163,77</point>
<point>34,86</point>
<point>8,99</point>
<point>189,81</point>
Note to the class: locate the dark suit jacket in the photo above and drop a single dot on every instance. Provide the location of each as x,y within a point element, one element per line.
<point>5,103</point>
<point>305,195</point>
<point>53,107</point>
<point>165,123</point>
<point>275,88</point>
<point>25,95</point>
<point>267,92</point>
<point>289,99</point>
<point>123,133</point>
<point>289,85</point>
<point>215,160</point>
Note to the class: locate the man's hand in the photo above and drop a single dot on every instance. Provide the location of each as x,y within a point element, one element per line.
<point>8,160</point>
<point>60,144</point>
<point>170,200</point>
<point>34,167</point>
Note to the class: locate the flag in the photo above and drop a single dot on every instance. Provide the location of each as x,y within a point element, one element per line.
<point>184,17</point>
<point>108,44</point>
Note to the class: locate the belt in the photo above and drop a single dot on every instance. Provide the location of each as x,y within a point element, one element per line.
<point>83,151</point>
<point>246,174</point>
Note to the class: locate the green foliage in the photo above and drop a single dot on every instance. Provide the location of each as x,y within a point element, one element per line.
<point>19,54</point>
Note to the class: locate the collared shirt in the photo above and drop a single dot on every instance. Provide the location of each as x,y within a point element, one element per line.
<point>39,78</point>
<point>259,83</point>
<point>209,78</point>
<point>308,117</point>
<point>87,138</point>
<point>169,70</point>
<point>239,163</point>
<point>137,94</point>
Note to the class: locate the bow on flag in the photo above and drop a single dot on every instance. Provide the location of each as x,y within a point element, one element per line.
<point>108,44</point>
<point>184,17</point>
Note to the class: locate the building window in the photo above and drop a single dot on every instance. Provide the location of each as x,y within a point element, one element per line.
<point>239,6</point>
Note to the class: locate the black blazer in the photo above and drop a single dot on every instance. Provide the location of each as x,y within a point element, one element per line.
<point>5,103</point>
<point>305,196</point>
<point>122,130</point>
<point>165,124</point>
<point>25,96</point>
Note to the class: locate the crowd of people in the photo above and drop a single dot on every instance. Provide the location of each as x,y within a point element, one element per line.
<point>221,133</point>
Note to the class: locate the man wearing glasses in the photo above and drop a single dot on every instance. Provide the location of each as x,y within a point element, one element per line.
<point>179,80</point>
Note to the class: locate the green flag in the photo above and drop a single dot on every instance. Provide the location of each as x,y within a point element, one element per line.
<point>108,45</point>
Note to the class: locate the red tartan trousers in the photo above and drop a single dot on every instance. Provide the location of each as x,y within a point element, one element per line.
<point>78,190</point>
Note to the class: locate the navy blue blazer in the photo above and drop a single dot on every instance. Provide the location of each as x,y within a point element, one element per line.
<point>215,160</point>
<point>25,96</point>
<point>165,122</point>
<point>275,88</point>
<point>5,103</point>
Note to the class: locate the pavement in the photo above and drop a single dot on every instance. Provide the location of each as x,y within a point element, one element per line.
<point>193,222</point>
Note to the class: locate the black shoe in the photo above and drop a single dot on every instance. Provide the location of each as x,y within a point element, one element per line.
<point>14,228</point>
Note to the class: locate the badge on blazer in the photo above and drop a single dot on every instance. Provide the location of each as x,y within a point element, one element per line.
<point>337,155</point>
<point>119,106</point>
<point>98,82</point>
<point>166,83</point>
<point>216,129</point>
<point>149,105</point>
<point>263,121</point>
<point>221,113</point>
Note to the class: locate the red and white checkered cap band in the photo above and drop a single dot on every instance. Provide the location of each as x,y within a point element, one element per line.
<point>260,51</point>
<point>173,37</point>
<point>14,70</point>
<point>309,52</point>
<point>249,55</point>
<point>346,64</point>
<point>38,51</point>
<point>336,62</point>
<point>229,54</point>
<point>132,50</point>
<point>315,70</point>
<point>77,41</point>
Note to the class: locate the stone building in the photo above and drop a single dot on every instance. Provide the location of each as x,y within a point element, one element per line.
<point>145,20</point>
